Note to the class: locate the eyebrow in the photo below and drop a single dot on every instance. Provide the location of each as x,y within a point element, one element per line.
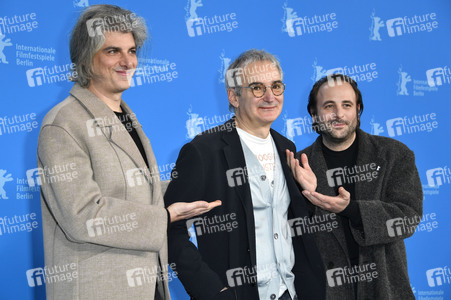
<point>116,48</point>
<point>258,82</point>
<point>332,101</point>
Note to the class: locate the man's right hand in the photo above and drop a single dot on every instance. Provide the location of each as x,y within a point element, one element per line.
<point>183,210</point>
<point>303,175</point>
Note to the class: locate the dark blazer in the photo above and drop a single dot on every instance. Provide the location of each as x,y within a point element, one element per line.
<point>396,192</point>
<point>200,174</point>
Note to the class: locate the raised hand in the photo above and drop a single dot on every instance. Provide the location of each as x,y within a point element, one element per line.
<point>303,174</point>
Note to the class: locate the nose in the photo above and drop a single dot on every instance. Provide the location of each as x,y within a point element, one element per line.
<point>269,95</point>
<point>128,60</point>
<point>339,111</point>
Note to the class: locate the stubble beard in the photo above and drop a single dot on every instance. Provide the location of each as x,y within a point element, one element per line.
<point>335,136</point>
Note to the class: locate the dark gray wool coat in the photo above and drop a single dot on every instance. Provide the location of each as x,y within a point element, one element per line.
<point>390,204</point>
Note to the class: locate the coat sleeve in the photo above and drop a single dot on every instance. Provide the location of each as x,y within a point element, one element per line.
<point>187,185</point>
<point>397,214</point>
<point>78,205</point>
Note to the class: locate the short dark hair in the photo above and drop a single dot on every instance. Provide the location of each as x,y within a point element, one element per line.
<point>333,79</point>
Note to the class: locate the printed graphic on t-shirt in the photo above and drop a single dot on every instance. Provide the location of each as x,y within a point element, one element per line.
<point>266,160</point>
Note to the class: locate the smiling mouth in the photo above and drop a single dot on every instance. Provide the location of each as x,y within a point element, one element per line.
<point>125,73</point>
<point>338,123</point>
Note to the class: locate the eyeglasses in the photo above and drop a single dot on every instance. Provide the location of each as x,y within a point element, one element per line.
<point>259,89</point>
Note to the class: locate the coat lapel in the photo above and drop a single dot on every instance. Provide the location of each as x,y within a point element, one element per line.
<point>152,172</point>
<point>108,123</point>
<point>365,190</point>
<point>234,156</point>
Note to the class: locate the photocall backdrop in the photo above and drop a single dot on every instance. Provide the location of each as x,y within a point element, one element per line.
<point>398,52</point>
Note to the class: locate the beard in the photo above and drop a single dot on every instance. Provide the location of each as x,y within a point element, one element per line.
<point>338,136</point>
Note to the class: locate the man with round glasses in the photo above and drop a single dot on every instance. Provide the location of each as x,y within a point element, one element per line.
<point>246,249</point>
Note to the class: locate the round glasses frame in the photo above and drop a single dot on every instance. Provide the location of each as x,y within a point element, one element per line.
<point>256,93</point>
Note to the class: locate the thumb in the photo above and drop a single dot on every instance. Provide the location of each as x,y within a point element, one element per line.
<point>344,193</point>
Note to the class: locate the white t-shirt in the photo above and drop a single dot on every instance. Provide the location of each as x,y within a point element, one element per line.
<point>263,149</point>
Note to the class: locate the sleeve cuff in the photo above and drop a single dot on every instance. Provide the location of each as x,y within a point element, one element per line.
<point>169,218</point>
<point>352,212</point>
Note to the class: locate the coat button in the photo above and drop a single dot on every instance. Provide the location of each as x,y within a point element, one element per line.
<point>263,177</point>
<point>330,265</point>
<point>273,296</point>
<point>276,236</point>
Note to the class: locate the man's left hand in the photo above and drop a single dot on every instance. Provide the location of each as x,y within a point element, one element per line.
<point>333,204</point>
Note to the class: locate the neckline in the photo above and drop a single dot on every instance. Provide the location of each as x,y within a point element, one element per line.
<point>350,149</point>
<point>252,137</point>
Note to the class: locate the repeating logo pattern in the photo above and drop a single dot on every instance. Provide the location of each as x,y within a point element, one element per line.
<point>397,56</point>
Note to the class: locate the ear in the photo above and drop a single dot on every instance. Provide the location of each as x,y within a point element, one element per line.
<point>233,97</point>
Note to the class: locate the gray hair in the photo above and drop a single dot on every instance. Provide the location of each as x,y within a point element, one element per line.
<point>88,36</point>
<point>246,58</point>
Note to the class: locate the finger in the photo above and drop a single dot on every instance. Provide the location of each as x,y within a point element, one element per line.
<point>201,208</point>
<point>318,202</point>
<point>194,212</point>
<point>294,161</point>
<point>344,193</point>
<point>322,198</point>
<point>296,167</point>
<point>214,204</point>
<point>305,163</point>
<point>197,204</point>
<point>334,204</point>
<point>188,210</point>
<point>328,199</point>
<point>311,198</point>
<point>304,177</point>
<point>288,157</point>
<point>300,169</point>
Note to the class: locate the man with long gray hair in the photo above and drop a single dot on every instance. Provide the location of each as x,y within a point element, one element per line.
<point>107,224</point>
<point>246,249</point>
